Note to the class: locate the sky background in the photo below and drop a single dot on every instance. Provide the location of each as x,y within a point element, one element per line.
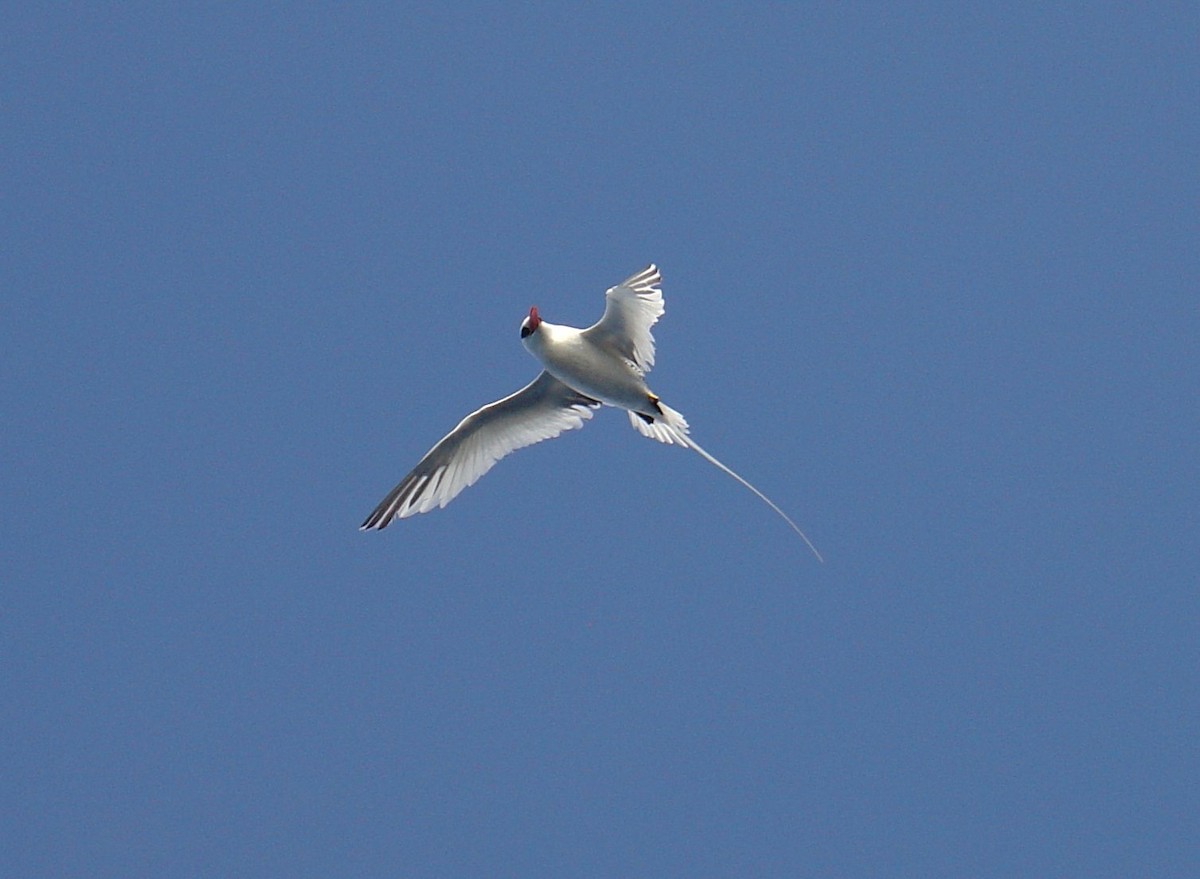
<point>931,276</point>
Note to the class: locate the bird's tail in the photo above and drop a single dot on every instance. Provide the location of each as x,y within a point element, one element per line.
<point>672,428</point>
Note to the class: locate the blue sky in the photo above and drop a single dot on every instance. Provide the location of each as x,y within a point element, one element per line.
<point>931,276</point>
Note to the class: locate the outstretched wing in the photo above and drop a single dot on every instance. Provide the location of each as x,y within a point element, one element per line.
<point>632,308</point>
<point>539,411</point>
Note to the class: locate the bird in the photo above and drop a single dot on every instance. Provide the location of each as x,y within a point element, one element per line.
<point>582,370</point>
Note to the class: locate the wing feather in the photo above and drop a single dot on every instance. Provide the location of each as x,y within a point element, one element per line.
<point>631,309</point>
<point>539,411</point>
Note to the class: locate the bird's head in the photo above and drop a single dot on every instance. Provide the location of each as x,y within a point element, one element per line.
<point>531,323</point>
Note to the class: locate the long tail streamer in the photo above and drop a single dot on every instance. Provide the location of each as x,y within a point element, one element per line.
<point>685,440</point>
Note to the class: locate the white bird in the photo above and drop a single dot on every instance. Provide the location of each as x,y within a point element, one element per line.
<point>604,364</point>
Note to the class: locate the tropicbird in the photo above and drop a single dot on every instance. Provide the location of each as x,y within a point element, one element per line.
<point>606,364</point>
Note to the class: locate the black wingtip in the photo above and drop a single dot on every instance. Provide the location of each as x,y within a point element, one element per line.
<point>374,522</point>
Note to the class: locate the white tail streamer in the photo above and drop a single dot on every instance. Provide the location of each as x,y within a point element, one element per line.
<point>673,429</point>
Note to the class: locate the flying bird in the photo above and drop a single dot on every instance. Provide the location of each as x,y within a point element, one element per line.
<point>606,364</point>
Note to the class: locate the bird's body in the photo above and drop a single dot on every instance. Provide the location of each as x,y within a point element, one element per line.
<point>603,364</point>
<point>578,362</point>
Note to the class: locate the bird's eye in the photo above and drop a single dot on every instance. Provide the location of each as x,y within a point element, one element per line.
<point>525,330</point>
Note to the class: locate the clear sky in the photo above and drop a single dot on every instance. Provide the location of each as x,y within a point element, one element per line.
<point>931,274</point>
